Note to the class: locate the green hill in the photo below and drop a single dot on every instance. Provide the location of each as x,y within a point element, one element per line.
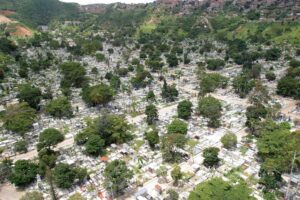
<point>39,12</point>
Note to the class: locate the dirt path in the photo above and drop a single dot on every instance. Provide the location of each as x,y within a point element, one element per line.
<point>9,192</point>
<point>5,20</point>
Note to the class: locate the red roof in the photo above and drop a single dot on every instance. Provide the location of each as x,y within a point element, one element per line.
<point>104,159</point>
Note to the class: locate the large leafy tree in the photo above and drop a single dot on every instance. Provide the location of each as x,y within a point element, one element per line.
<point>19,118</point>
<point>117,176</point>
<point>171,146</point>
<point>60,107</point>
<point>94,145</point>
<point>218,189</point>
<point>63,175</point>
<point>74,75</point>
<point>111,128</point>
<point>50,137</point>
<point>211,108</point>
<point>98,94</point>
<point>30,94</point>
<point>23,173</point>
<point>210,82</point>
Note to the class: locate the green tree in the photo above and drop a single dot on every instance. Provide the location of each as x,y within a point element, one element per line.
<point>117,176</point>
<point>215,64</point>
<point>63,175</point>
<point>184,109</point>
<point>74,75</point>
<point>20,146</point>
<point>111,128</point>
<point>19,118</point>
<point>273,54</point>
<point>30,94</point>
<point>152,137</point>
<point>229,140</point>
<point>210,82</point>
<point>23,173</point>
<point>98,94</point>
<point>211,158</point>
<point>172,195</point>
<point>169,93</point>
<point>150,96</point>
<point>94,145</point>
<point>151,113</point>
<point>218,189</point>
<point>171,145</point>
<point>211,108</point>
<point>242,84</point>
<point>49,138</point>
<point>176,174</point>
<point>289,87</point>
<point>177,126</point>
<point>35,195</point>
<point>59,108</point>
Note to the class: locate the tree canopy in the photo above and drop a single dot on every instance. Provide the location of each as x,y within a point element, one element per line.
<point>23,173</point>
<point>30,94</point>
<point>19,118</point>
<point>98,94</point>
<point>211,108</point>
<point>218,189</point>
<point>49,137</point>
<point>184,109</point>
<point>117,176</point>
<point>60,107</point>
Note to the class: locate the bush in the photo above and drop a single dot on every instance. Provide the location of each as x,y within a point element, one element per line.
<point>169,92</point>
<point>59,108</point>
<point>21,146</point>
<point>152,137</point>
<point>289,87</point>
<point>273,54</point>
<point>30,94</point>
<point>215,64</point>
<point>184,109</point>
<point>23,173</point>
<point>210,82</point>
<point>229,140</point>
<point>294,63</point>
<point>94,145</point>
<point>98,94</point>
<point>242,84</point>
<point>211,156</point>
<point>211,108</point>
<point>151,113</point>
<point>177,127</point>
<point>270,76</point>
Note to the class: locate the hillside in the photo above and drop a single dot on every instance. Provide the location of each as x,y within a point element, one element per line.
<point>39,12</point>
